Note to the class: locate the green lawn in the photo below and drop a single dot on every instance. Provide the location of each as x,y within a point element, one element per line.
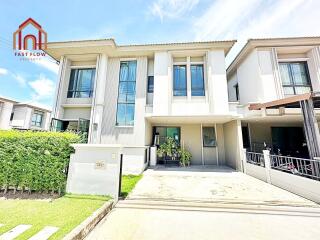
<point>128,183</point>
<point>65,213</point>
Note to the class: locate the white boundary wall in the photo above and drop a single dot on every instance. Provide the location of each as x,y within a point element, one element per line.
<point>301,186</point>
<point>94,169</point>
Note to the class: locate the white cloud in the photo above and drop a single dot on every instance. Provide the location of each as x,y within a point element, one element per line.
<point>43,88</point>
<point>45,62</point>
<point>20,79</point>
<point>48,64</point>
<point>3,71</point>
<point>172,8</point>
<point>222,16</point>
<point>241,20</point>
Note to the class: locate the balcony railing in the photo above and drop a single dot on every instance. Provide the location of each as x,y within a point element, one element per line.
<point>255,158</point>
<point>309,168</point>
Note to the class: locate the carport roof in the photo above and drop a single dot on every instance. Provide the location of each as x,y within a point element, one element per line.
<point>291,102</point>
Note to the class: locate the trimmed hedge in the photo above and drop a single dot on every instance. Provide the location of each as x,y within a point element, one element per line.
<point>35,161</point>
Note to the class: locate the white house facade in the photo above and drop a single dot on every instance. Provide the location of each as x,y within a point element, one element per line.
<point>24,116</point>
<point>269,78</point>
<point>137,95</point>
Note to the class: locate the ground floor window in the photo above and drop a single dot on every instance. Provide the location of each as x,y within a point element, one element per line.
<point>37,119</point>
<point>209,136</point>
<point>80,125</point>
<point>160,134</point>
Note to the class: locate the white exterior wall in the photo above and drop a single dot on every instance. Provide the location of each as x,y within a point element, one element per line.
<point>215,101</point>
<point>217,82</point>
<point>250,84</point>
<point>259,78</point>
<point>6,109</point>
<point>127,135</point>
<point>162,84</point>
<point>21,117</point>
<point>268,81</point>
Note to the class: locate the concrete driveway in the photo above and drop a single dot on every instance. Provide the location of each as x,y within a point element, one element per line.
<point>200,184</point>
<point>208,204</point>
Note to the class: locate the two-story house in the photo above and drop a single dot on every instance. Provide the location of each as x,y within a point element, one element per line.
<point>269,78</point>
<point>17,115</point>
<point>137,95</point>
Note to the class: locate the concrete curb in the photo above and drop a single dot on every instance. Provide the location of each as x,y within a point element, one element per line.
<point>84,228</point>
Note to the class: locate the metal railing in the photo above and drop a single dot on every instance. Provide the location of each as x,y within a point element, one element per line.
<point>255,158</point>
<point>299,166</point>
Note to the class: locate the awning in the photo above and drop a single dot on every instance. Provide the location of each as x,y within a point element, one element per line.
<point>306,102</point>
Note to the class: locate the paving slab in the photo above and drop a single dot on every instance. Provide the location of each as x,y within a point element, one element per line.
<point>15,232</point>
<point>45,233</point>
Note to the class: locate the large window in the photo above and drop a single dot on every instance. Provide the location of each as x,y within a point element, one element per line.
<point>127,93</point>
<point>37,119</point>
<point>179,80</point>
<point>209,136</point>
<point>295,78</point>
<point>197,80</point>
<point>81,83</point>
<point>160,134</point>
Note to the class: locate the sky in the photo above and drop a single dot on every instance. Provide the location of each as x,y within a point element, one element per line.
<point>140,21</point>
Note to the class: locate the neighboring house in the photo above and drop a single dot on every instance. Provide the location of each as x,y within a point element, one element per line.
<point>30,116</point>
<point>137,95</point>
<point>23,115</point>
<point>6,108</point>
<point>269,78</point>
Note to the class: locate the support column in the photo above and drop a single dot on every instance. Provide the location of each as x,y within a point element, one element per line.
<point>276,73</point>
<point>63,77</point>
<point>244,160</point>
<point>312,134</point>
<point>98,99</point>
<point>267,164</point>
<point>311,128</point>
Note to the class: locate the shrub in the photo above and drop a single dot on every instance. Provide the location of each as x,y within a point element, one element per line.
<point>37,161</point>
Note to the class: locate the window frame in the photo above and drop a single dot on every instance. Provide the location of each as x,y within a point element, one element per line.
<point>214,135</point>
<point>74,93</point>
<point>126,103</point>
<point>149,88</point>
<point>203,81</point>
<point>292,84</point>
<point>186,80</point>
<point>37,123</point>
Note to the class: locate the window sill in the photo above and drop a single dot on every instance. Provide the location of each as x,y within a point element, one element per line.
<point>79,97</point>
<point>124,126</point>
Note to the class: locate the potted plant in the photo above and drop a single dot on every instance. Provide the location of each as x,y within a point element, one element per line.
<point>185,157</point>
<point>168,150</point>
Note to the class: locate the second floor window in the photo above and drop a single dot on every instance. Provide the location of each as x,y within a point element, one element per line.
<point>179,80</point>
<point>126,93</point>
<point>150,84</point>
<point>37,119</point>
<point>197,80</point>
<point>81,83</point>
<point>295,78</point>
